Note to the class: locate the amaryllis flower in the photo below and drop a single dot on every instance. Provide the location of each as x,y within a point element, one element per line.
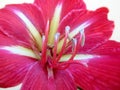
<point>58,45</point>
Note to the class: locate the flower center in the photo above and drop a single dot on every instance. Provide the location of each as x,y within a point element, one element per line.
<point>51,46</point>
<point>62,43</point>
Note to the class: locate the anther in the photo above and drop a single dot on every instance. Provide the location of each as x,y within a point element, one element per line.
<point>82,35</point>
<point>57,36</point>
<point>67,29</point>
<point>56,39</point>
<point>74,43</point>
<point>44,44</point>
<point>74,49</point>
<point>65,39</point>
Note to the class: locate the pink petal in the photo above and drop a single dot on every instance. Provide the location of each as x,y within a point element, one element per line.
<point>37,79</point>
<point>70,6</point>
<point>13,68</point>
<point>97,27</point>
<point>98,32</point>
<point>32,12</point>
<point>102,73</point>
<point>64,80</point>
<point>13,27</point>
<point>9,41</point>
<point>70,19</point>
<point>108,48</point>
<point>48,6</point>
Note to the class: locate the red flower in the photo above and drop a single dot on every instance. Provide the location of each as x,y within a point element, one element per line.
<point>58,45</point>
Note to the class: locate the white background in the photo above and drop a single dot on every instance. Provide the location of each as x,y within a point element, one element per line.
<point>114,14</point>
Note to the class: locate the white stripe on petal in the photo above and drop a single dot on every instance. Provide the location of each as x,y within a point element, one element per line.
<point>79,29</point>
<point>32,29</point>
<point>54,24</point>
<point>83,58</point>
<point>19,50</point>
<point>77,57</point>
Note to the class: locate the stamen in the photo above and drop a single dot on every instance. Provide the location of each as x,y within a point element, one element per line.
<point>54,24</point>
<point>80,42</point>
<point>74,49</point>
<point>47,30</point>
<point>55,45</point>
<point>43,56</point>
<point>74,32</point>
<point>82,37</point>
<point>44,44</point>
<point>76,45</point>
<point>67,29</point>
<point>65,40</point>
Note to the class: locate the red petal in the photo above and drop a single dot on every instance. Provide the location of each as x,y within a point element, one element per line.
<point>99,31</point>
<point>48,6</point>
<point>102,73</point>
<point>10,41</point>
<point>37,79</point>
<point>13,27</point>
<point>108,48</point>
<point>97,27</point>
<point>32,12</point>
<point>70,19</point>
<point>69,6</point>
<point>13,68</point>
<point>64,81</point>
